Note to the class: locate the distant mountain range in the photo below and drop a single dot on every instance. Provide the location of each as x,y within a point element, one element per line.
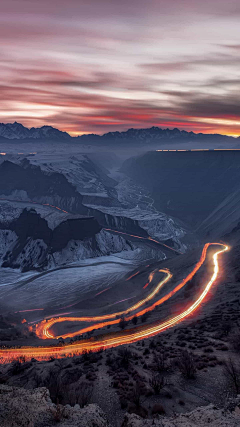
<point>16,131</point>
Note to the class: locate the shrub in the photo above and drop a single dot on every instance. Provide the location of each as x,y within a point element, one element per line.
<point>122,323</point>
<point>152,344</point>
<point>157,382</point>
<point>144,317</point>
<point>208,350</point>
<point>16,368</point>
<point>158,409</point>
<point>134,320</point>
<point>235,340</point>
<point>123,403</point>
<point>124,356</point>
<point>232,374</point>
<point>54,385</point>
<point>187,364</point>
<point>159,362</point>
<point>138,410</point>
<point>58,412</point>
<point>135,396</point>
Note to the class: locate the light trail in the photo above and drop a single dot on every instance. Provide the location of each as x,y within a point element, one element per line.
<point>101,292</point>
<point>133,275</point>
<point>46,334</point>
<point>150,278</point>
<point>144,238</point>
<point>34,203</point>
<point>33,309</point>
<point>201,149</point>
<point>42,329</point>
<point>118,338</point>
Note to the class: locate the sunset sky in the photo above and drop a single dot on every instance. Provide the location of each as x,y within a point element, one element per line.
<point>105,65</point>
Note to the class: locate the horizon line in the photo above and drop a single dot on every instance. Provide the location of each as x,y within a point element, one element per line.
<point>73,134</point>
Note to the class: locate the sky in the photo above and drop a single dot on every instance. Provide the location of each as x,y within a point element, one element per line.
<point>104,65</point>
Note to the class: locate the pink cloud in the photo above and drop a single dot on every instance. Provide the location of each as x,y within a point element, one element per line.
<point>103,65</point>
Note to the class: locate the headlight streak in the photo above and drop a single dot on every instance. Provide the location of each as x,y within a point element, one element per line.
<point>118,338</point>
<point>42,329</point>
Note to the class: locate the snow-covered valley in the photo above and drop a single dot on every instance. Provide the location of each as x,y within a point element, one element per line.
<point>46,229</point>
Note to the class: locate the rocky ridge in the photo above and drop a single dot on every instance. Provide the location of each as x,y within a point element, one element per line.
<point>34,408</point>
<point>21,408</point>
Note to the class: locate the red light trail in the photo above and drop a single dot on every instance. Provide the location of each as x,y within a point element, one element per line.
<point>101,292</point>
<point>144,238</point>
<point>42,329</point>
<point>127,336</point>
<point>133,275</point>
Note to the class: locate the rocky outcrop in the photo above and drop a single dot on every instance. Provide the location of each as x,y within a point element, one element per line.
<point>29,226</point>
<point>21,407</point>
<point>40,186</point>
<point>201,417</point>
<point>37,185</point>
<point>28,182</point>
<point>28,242</point>
<point>33,408</point>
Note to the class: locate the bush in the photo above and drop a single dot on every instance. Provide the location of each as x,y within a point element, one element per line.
<point>138,410</point>
<point>187,365</point>
<point>158,409</point>
<point>135,396</point>
<point>232,374</point>
<point>226,328</point>
<point>159,361</point>
<point>144,317</point>
<point>123,403</point>
<point>235,340</point>
<point>122,323</point>
<point>134,320</point>
<point>124,356</point>
<point>152,344</point>
<point>16,368</point>
<point>208,350</point>
<point>58,412</point>
<point>54,384</point>
<point>157,382</point>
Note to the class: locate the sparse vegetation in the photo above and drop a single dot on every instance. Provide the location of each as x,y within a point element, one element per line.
<point>187,364</point>
<point>157,382</point>
<point>159,361</point>
<point>124,355</point>
<point>122,323</point>
<point>134,320</point>
<point>58,412</point>
<point>232,374</point>
<point>158,409</point>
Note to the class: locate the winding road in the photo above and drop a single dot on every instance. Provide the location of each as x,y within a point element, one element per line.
<point>126,336</point>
